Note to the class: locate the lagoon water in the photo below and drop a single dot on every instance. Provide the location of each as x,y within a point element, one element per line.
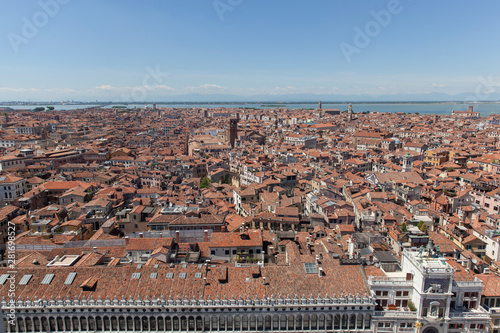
<point>443,108</point>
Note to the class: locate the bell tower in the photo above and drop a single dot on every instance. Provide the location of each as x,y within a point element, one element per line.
<point>407,163</point>
<point>233,130</point>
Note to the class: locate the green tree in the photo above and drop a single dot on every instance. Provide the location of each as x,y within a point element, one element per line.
<point>50,108</point>
<point>205,182</point>
<point>88,197</point>
<point>227,179</point>
<point>421,225</point>
<point>411,306</point>
<point>403,227</point>
<point>38,109</point>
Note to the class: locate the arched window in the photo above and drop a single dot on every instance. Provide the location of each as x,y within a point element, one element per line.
<point>76,324</point>
<point>206,325</point>
<point>122,324</point>
<point>268,323</point>
<point>98,323</point>
<point>67,324</point>
<point>321,323</point>
<point>29,325</point>
<point>329,322</point>
<point>307,322</point>
<point>229,323</point>
<point>352,322</point>
<point>368,321</point>
<point>215,326</point>
<point>152,323</point>
<point>20,325</point>
<point>83,323</point>
<point>130,324</point>
<point>359,321</point>
<point>237,323</point>
<point>298,322</point>
<point>183,323</point>
<point>290,322</point>
<point>106,323</point>
<point>314,322</point>
<point>52,324</point>
<point>199,323</point>
<point>168,323</point>
<point>244,323</point>
<point>345,321</point>
<point>114,323</point>
<point>161,324</point>
<point>36,324</point>
<point>91,324</point>
<point>336,322</point>
<point>137,324</point>
<point>434,309</point>
<point>253,323</point>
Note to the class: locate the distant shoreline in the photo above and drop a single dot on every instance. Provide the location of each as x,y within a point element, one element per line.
<point>265,103</point>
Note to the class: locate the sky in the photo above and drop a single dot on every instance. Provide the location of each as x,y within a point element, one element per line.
<point>161,50</point>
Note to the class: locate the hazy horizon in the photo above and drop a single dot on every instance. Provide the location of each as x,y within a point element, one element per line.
<point>249,50</point>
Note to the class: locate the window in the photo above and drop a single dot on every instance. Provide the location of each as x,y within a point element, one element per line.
<point>455,326</point>
<point>70,278</point>
<point>212,252</point>
<point>47,279</point>
<point>4,278</point>
<point>226,252</point>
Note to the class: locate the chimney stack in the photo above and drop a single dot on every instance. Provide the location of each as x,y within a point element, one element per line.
<point>206,235</point>
<point>177,237</point>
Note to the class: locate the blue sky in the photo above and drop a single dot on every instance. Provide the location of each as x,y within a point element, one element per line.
<point>107,50</point>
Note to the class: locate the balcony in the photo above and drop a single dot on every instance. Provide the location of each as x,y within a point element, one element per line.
<point>400,314</point>
<point>479,313</point>
<point>466,284</point>
<point>387,281</point>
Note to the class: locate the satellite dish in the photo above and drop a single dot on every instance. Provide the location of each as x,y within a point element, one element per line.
<point>474,261</point>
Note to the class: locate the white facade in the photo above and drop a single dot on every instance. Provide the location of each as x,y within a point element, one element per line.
<point>11,190</point>
<point>441,303</point>
<point>492,240</point>
<point>306,140</point>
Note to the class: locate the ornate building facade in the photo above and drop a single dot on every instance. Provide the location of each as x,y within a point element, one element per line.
<point>329,294</point>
